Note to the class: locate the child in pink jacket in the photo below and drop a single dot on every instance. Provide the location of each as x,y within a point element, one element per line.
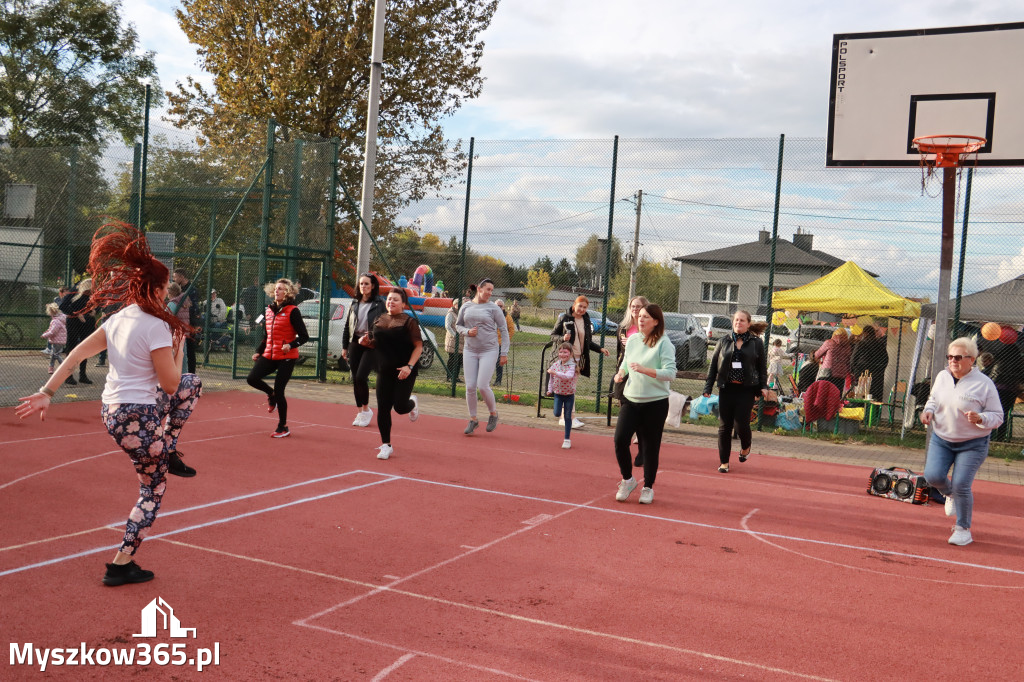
<point>562,384</point>
<point>56,334</point>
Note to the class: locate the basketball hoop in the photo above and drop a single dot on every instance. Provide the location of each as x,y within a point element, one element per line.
<point>949,150</point>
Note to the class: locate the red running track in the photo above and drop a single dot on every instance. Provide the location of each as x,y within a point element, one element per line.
<point>496,556</point>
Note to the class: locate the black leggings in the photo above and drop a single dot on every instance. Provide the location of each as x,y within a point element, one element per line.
<point>392,394</point>
<point>361,361</point>
<point>735,403</point>
<point>284,369</point>
<point>647,421</point>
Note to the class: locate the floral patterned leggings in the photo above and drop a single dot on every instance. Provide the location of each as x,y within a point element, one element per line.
<point>140,431</point>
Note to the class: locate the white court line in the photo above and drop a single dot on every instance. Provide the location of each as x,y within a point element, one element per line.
<point>383,674</point>
<point>960,583</point>
<point>215,522</point>
<point>117,525</point>
<point>445,562</point>
<point>711,526</point>
<point>103,432</point>
<point>111,452</point>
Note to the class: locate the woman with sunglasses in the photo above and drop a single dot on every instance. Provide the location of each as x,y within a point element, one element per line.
<point>962,410</point>
<point>366,307</point>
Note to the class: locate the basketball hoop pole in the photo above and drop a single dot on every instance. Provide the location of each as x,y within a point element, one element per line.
<point>945,272</point>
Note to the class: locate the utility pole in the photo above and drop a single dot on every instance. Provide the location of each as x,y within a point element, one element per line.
<point>636,247</point>
<point>370,156</point>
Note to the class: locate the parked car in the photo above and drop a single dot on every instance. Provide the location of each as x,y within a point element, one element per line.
<point>598,323</point>
<point>779,331</point>
<point>809,338</point>
<point>715,326</point>
<point>310,311</point>
<point>689,338</point>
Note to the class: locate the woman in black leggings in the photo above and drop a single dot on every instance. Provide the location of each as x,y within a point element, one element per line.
<point>739,366</point>
<point>366,307</point>
<point>277,352</point>
<point>396,338</point>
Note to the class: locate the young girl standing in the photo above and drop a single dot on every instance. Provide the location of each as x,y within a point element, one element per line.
<point>775,356</point>
<point>56,335</point>
<point>562,384</point>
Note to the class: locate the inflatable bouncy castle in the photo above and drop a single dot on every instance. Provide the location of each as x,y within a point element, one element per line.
<point>423,295</point>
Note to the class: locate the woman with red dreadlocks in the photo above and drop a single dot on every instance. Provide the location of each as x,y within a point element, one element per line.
<point>146,400</point>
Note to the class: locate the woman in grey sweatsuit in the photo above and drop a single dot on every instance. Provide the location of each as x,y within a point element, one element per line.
<point>479,321</point>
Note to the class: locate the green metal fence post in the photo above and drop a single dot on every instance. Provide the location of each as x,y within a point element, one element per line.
<point>268,188</point>
<point>234,325</point>
<point>145,157</point>
<point>327,274</point>
<point>771,263</point>
<point>133,204</point>
<point>963,255</point>
<point>291,237</point>
<point>607,275</point>
<point>72,213</point>
<point>462,265</point>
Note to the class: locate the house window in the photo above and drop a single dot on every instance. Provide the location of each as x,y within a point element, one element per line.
<point>713,292</point>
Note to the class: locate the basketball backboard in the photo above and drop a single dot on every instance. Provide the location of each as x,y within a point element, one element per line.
<point>890,87</point>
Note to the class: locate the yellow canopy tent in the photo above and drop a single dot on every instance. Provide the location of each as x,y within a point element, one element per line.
<point>847,290</point>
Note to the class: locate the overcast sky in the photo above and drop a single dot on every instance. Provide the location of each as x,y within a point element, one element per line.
<point>646,68</point>
<point>592,69</point>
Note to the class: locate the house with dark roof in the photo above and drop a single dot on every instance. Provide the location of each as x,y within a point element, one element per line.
<point>724,280</point>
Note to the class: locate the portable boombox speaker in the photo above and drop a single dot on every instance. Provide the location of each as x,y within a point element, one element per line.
<point>899,484</point>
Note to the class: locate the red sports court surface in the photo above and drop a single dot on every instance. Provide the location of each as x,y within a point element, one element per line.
<point>496,556</point>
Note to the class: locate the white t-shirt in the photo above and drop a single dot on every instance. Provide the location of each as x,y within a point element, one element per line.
<point>131,336</point>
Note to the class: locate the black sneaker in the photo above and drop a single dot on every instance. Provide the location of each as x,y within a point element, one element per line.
<point>177,467</point>
<point>126,573</point>
<point>71,381</point>
<point>84,380</point>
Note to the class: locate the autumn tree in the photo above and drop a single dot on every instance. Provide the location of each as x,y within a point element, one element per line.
<point>538,286</point>
<point>305,63</point>
<point>70,73</point>
<point>658,282</point>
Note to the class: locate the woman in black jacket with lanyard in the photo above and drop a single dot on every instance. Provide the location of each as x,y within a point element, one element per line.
<point>366,307</point>
<point>739,366</point>
<point>574,327</point>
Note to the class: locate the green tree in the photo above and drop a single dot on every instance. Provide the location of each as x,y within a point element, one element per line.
<point>658,282</point>
<point>538,286</point>
<point>305,63</point>
<point>70,73</point>
<point>588,268</point>
<point>564,275</point>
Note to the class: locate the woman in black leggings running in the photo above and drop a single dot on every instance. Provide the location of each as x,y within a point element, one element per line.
<point>366,307</point>
<point>277,352</point>
<point>396,338</point>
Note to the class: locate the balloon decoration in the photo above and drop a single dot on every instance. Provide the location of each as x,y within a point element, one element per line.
<point>793,313</point>
<point>991,331</point>
<point>914,325</point>
<point>778,317</point>
<point>423,279</point>
<point>792,323</point>
<point>1008,335</point>
<point>856,330</point>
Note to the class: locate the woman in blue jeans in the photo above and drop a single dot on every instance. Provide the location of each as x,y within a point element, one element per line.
<point>962,410</point>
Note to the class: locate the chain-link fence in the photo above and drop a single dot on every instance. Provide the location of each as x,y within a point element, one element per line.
<point>687,223</point>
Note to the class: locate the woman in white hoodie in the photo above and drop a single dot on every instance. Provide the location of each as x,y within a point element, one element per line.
<point>963,409</point>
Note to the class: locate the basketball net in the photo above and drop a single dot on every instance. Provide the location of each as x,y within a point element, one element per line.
<point>945,151</point>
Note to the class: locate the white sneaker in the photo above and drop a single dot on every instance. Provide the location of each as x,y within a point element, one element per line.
<point>358,421</point>
<point>415,414</point>
<point>646,495</point>
<point>561,421</point>
<point>950,506</point>
<point>363,418</point>
<point>384,451</point>
<point>960,536</point>
<point>566,444</point>
<point>576,424</point>
<point>625,488</point>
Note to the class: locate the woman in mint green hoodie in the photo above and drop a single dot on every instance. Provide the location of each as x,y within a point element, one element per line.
<point>648,365</point>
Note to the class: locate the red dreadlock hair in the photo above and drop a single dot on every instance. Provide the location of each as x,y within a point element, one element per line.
<point>124,272</point>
